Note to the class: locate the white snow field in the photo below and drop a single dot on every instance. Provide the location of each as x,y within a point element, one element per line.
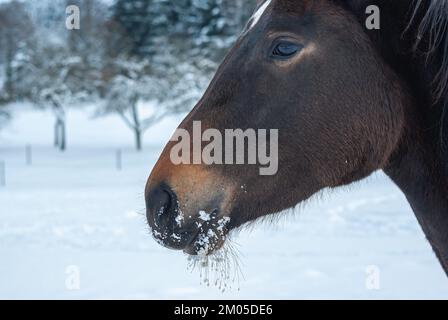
<point>73,227</point>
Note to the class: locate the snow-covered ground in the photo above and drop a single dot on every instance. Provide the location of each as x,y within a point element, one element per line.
<point>72,226</point>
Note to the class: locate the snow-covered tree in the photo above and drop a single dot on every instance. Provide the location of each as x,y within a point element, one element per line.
<point>145,58</point>
<point>172,50</point>
<point>57,83</point>
<point>88,41</point>
<point>202,27</point>
<point>61,68</point>
<point>143,93</point>
<point>16,33</point>
<point>136,21</point>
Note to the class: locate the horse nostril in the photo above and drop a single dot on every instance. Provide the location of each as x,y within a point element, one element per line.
<point>160,205</point>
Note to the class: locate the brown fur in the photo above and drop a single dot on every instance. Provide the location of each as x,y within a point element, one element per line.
<point>345,107</point>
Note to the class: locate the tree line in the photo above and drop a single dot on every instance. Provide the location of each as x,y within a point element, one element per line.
<point>126,56</point>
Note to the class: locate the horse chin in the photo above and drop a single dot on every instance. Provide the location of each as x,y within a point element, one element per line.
<point>210,238</point>
<point>200,250</point>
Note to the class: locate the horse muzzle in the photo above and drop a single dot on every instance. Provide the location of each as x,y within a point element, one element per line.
<point>191,220</point>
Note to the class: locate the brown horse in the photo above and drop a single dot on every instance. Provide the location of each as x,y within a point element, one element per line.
<point>347,100</point>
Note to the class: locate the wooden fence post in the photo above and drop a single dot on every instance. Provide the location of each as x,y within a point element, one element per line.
<point>119,160</point>
<point>29,155</point>
<point>2,174</point>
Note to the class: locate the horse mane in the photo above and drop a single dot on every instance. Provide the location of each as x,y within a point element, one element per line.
<point>432,29</point>
<point>431,40</point>
<point>421,55</point>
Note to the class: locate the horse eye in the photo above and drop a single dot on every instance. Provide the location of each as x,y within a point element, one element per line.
<point>286,50</point>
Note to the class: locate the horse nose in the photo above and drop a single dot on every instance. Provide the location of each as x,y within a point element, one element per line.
<point>166,220</point>
<point>161,207</point>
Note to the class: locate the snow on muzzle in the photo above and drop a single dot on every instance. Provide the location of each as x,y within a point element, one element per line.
<point>187,207</point>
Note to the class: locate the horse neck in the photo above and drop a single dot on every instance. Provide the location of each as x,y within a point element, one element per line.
<point>418,166</point>
<point>418,169</point>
